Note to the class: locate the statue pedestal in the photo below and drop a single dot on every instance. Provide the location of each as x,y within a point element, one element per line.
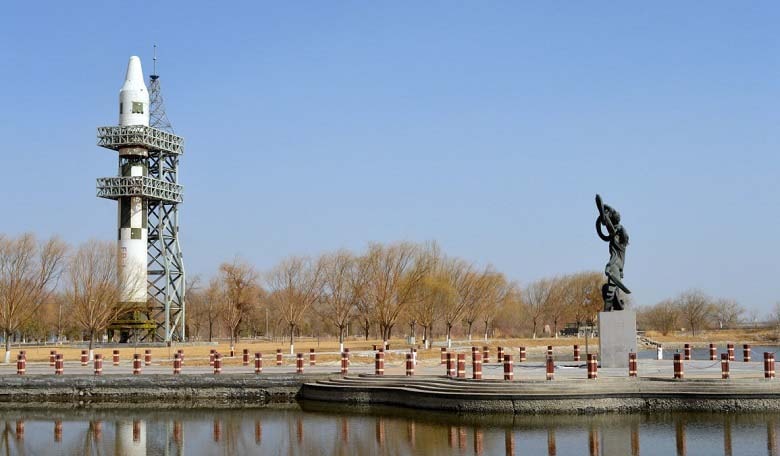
<point>617,337</point>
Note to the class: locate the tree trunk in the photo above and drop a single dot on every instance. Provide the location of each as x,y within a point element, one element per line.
<point>366,327</point>
<point>487,326</point>
<point>341,339</point>
<point>534,329</point>
<point>449,331</point>
<point>91,344</point>
<point>7,347</point>
<point>211,329</point>
<point>470,323</point>
<point>292,336</point>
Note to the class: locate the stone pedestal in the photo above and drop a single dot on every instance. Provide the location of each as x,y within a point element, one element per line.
<point>617,337</point>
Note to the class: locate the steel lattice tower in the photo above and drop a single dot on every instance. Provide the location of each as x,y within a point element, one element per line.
<point>148,195</point>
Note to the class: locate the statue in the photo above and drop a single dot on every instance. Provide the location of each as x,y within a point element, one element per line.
<point>617,236</point>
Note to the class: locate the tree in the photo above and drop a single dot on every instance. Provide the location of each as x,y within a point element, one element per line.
<point>239,294</point>
<point>562,298</point>
<point>393,274</point>
<point>695,309</point>
<point>727,313</point>
<point>458,284</point>
<point>493,292</point>
<point>29,273</point>
<point>342,286</point>
<point>663,317</point>
<point>537,297</point>
<point>92,289</point>
<point>295,284</point>
<point>587,302</point>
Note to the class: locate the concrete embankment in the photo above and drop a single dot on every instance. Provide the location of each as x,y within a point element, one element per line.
<point>540,397</point>
<point>117,391</point>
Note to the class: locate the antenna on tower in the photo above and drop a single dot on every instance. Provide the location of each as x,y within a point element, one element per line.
<point>154,60</point>
<point>157,116</point>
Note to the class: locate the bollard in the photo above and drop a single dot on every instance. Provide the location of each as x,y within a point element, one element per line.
<point>212,355</point>
<point>461,365</point>
<point>217,363</point>
<point>476,366</point>
<point>713,352</point>
<point>19,429</point>
<point>181,356</point>
<point>550,368</point>
<point>724,366</point>
<point>59,365</point>
<point>98,364</point>
<point>299,363</point>
<point>659,352</point>
<point>746,353</point>
<point>687,351</point>
<point>500,354</point>
<point>278,356</point>
<point>349,362</point>
<point>632,364</point>
<point>344,363</point>
<point>549,351</point>
<point>24,355</point>
<point>485,354</point>
<point>147,357</point>
<point>576,352</point>
<point>258,363</point>
<point>379,363</point>
<point>245,357</point>
<point>522,354</point>
<point>509,368</point>
<point>136,364</point>
<point>593,367</point>
<point>409,365</point>
<point>312,357</point>
<point>769,365</point>
<point>730,348</point>
<point>21,364</point>
<point>176,363</point>
<point>450,365</point>
<point>115,357</point>
<point>678,366</point>
<point>443,355</point>
<point>84,357</point>
<point>414,356</point>
<point>52,357</point>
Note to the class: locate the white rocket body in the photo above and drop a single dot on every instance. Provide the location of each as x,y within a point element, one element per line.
<point>132,211</point>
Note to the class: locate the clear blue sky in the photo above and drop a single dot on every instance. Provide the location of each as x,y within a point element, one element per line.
<point>486,126</point>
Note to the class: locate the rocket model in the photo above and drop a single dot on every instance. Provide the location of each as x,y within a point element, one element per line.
<point>132,210</point>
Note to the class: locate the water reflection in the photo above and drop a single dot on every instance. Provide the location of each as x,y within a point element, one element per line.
<point>322,430</point>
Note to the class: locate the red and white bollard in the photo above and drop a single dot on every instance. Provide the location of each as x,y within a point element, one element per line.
<point>593,367</point>
<point>312,357</point>
<point>724,366</point>
<point>379,363</point>
<point>450,365</point>
<point>549,351</point>
<point>500,354</point>
<point>550,368</point>
<point>687,351</point>
<point>769,365</point>
<point>212,355</point>
<point>678,366</point>
<point>181,356</point>
<point>344,363</point>
<point>730,348</point>
<point>147,357</point>
<point>522,354</point>
<point>485,354</point>
<point>258,363</point>
<point>443,355</point>
<point>136,363</point>
<point>19,429</point>
<point>217,363</point>
<point>461,365</point>
<point>713,352</point>
<point>346,350</point>
<point>58,431</point>
<point>746,353</point>
<point>52,357</point>
<point>24,354</point>
<point>84,357</point>
<point>115,357</point>
<point>59,364</point>
<point>176,364</point>
<point>509,368</point>
<point>278,356</point>
<point>21,365</point>
<point>98,364</point>
<point>576,352</point>
<point>632,364</point>
<point>409,365</point>
<point>245,357</point>
<point>299,363</point>
<point>476,366</point>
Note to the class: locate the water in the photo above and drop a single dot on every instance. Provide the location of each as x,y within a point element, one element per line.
<point>319,429</point>
<point>702,351</point>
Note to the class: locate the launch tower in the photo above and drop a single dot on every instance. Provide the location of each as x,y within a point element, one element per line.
<point>150,269</point>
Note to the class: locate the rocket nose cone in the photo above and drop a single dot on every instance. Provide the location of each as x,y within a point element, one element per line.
<point>134,75</point>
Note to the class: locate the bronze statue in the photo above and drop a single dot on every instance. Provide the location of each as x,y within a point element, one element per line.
<point>617,236</point>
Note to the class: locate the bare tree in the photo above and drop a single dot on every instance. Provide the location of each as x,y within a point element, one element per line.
<point>491,294</point>
<point>727,313</point>
<point>663,317</point>
<point>295,284</point>
<point>29,272</point>
<point>394,272</point>
<point>562,298</point>
<point>587,301</point>
<point>695,309</point>
<point>211,304</point>
<point>239,294</point>
<point>92,289</point>
<point>342,286</point>
<point>537,296</point>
